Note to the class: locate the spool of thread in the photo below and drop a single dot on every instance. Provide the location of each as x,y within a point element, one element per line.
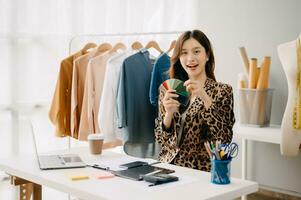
<point>263,79</point>
<point>252,73</point>
<point>245,59</point>
<point>242,81</point>
<point>257,72</point>
<point>242,84</point>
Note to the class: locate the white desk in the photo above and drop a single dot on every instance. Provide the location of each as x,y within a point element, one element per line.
<point>196,186</point>
<point>270,134</point>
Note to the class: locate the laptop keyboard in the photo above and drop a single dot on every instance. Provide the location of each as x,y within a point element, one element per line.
<point>50,161</point>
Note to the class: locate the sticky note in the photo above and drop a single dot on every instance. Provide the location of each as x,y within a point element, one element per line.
<point>78,177</point>
<point>104,175</point>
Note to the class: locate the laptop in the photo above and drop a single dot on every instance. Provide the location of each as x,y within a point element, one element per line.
<point>64,161</point>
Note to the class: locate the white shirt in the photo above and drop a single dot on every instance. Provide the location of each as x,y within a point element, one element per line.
<point>107,116</point>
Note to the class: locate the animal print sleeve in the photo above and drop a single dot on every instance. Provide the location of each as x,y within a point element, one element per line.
<point>161,133</point>
<point>220,115</point>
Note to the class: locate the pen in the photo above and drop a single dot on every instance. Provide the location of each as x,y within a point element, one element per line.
<point>212,146</point>
<point>99,167</point>
<point>152,173</point>
<point>216,144</point>
<point>208,150</point>
<point>217,154</point>
<point>154,163</point>
<point>154,184</point>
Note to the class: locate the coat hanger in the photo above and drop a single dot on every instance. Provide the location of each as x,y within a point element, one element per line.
<point>103,47</point>
<point>136,45</point>
<point>88,46</point>
<point>118,46</point>
<point>171,47</point>
<point>155,45</point>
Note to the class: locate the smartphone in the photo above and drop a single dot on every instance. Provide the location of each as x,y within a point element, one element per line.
<point>157,179</point>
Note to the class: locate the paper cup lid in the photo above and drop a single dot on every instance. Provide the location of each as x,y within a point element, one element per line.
<point>95,137</point>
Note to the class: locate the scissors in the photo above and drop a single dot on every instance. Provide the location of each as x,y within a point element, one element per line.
<point>231,150</point>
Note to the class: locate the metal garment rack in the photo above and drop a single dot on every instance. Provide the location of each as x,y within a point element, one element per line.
<point>120,36</point>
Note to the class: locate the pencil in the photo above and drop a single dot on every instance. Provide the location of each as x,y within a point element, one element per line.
<point>208,150</point>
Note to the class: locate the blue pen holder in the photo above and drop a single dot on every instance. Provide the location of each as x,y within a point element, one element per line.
<point>220,171</point>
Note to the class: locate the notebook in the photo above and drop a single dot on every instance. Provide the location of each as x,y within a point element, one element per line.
<point>64,161</point>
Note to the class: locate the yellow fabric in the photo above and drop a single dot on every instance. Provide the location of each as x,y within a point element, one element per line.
<point>297,102</point>
<point>59,113</point>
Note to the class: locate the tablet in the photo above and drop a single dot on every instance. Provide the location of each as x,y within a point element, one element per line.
<point>137,172</point>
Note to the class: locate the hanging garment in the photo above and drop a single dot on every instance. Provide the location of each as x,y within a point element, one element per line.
<point>159,75</point>
<point>60,109</point>
<point>77,92</point>
<point>297,101</point>
<point>78,82</point>
<point>93,89</point>
<point>107,109</point>
<point>133,107</point>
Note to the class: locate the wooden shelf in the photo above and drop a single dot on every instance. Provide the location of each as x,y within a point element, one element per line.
<point>270,134</point>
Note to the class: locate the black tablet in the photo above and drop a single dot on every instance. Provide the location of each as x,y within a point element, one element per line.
<point>137,172</point>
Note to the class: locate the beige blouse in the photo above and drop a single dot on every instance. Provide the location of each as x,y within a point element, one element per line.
<point>91,99</point>
<point>78,86</point>
<point>78,82</point>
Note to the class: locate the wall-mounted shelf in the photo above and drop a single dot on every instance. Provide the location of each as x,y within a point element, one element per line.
<point>270,134</point>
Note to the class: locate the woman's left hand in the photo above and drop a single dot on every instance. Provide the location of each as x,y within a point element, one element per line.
<point>194,88</point>
<point>197,90</point>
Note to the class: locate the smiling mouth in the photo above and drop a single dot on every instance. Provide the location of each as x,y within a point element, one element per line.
<point>191,66</point>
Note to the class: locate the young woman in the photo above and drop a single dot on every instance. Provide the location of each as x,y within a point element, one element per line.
<point>209,116</point>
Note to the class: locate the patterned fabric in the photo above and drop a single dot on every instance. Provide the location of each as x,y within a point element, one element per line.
<point>200,125</point>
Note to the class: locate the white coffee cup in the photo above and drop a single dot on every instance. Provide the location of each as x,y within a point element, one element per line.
<point>95,143</point>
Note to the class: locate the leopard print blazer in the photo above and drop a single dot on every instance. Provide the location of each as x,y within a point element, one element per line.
<point>200,125</point>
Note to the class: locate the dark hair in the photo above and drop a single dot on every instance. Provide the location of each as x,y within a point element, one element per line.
<point>176,70</point>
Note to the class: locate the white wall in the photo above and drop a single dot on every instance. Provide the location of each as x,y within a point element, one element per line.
<point>260,26</point>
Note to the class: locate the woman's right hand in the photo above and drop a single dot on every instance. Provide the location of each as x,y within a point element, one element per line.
<point>171,105</point>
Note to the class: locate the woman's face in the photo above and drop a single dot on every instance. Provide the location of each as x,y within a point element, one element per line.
<point>193,58</point>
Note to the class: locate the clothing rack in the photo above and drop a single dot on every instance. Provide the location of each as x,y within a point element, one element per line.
<point>117,35</point>
<point>97,38</point>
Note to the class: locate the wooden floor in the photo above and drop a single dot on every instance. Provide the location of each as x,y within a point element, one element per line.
<point>6,192</point>
<point>269,195</point>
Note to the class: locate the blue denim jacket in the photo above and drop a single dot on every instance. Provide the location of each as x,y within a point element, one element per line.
<point>159,75</point>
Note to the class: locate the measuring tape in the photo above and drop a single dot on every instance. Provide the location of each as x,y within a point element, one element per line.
<point>297,101</point>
